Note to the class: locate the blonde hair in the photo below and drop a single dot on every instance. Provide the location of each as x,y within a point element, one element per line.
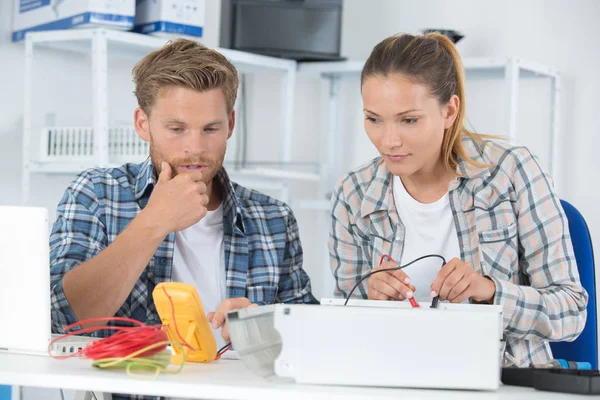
<point>184,63</point>
<point>432,60</point>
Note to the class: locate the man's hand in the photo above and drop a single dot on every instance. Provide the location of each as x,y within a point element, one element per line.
<point>217,318</point>
<point>389,285</point>
<point>177,203</point>
<point>457,281</point>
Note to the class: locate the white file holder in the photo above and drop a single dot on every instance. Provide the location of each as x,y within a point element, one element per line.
<point>386,344</point>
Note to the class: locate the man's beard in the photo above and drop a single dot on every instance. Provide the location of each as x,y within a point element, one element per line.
<point>210,170</point>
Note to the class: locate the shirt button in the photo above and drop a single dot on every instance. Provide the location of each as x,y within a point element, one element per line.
<point>163,261</point>
<point>398,238</point>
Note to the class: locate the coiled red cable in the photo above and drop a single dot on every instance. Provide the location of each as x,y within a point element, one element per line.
<point>126,340</point>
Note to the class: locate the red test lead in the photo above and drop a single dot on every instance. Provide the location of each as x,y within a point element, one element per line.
<point>412,300</point>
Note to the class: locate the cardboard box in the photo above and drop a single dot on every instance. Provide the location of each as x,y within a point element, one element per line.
<point>170,18</point>
<point>43,15</point>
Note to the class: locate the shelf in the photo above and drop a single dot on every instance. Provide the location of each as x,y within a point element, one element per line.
<point>311,205</point>
<point>69,150</point>
<point>134,46</point>
<point>510,69</point>
<point>306,172</point>
<point>61,167</point>
<point>347,69</point>
<point>352,69</point>
<point>102,44</point>
<point>526,68</point>
<point>130,45</point>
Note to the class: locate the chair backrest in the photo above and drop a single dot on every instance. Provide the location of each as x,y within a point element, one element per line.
<point>5,393</point>
<point>585,347</point>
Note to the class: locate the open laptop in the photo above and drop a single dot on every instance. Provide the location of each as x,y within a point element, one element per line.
<point>25,284</point>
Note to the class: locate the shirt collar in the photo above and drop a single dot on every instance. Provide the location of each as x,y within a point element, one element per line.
<point>379,197</point>
<point>232,210</point>
<point>145,178</point>
<point>474,150</point>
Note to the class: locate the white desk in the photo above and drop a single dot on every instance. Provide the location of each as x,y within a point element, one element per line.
<point>223,379</point>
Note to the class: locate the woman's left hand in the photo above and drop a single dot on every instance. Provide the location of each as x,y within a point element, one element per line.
<point>457,281</point>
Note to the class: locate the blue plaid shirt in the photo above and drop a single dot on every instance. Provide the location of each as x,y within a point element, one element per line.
<point>263,253</point>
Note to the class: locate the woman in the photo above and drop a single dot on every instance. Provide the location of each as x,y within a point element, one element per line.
<point>483,204</point>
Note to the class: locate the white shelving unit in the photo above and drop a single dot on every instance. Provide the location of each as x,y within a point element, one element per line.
<point>71,149</point>
<point>512,69</point>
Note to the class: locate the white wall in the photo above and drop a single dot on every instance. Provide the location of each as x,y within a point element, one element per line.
<point>11,104</point>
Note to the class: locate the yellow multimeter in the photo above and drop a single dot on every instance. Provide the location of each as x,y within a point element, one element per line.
<point>190,318</point>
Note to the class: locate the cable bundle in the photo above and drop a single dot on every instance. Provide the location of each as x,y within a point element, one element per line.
<point>137,347</point>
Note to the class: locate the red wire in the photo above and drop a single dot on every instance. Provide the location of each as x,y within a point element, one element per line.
<point>123,343</point>
<point>183,342</point>
<point>116,319</point>
<point>225,350</point>
<point>412,300</point>
<point>126,340</point>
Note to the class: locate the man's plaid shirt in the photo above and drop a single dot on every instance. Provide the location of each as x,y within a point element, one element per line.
<point>263,253</point>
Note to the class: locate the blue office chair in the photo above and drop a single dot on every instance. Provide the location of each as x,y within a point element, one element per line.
<point>5,393</point>
<point>585,347</point>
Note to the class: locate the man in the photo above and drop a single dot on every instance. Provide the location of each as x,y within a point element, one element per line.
<point>177,216</point>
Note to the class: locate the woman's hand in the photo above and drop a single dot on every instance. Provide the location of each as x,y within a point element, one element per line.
<point>457,281</point>
<point>389,285</point>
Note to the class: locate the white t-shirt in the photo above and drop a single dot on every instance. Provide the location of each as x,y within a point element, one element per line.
<point>199,260</point>
<point>429,229</point>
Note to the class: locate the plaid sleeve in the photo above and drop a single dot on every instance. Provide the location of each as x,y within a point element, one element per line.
<point>294,286</point>
<point>347,259</point>
<point>553,305</point>
<point>77,235</point>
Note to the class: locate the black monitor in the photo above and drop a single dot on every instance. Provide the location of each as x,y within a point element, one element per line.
<point>303,30</point>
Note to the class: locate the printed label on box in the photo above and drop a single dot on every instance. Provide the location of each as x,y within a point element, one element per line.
<point>28,5</point>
